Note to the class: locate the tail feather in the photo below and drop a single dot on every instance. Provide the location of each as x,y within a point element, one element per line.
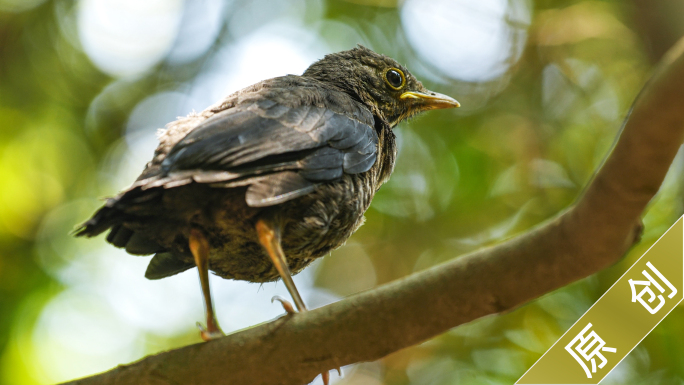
<point>139,244</point>
<point>129,207</point>
<point>119,236</point>
<point>103,219</point>
<point>165,265</point>
<point>128,216</point>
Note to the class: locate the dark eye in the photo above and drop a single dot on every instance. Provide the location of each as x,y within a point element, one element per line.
<point>395,78</point>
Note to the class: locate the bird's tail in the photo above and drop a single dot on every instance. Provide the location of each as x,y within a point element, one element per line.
<point>105,218</point>
<point>133,206</point>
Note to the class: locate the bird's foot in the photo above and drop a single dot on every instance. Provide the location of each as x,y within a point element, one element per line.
<point>326,375</point>
<point>286,304</point>
<point>211,332</point>
<point>291,311</point>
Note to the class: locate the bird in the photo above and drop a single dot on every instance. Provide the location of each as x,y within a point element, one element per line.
<point>272,177</point>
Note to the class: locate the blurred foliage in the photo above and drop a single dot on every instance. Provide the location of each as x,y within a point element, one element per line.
<point>544,88</point>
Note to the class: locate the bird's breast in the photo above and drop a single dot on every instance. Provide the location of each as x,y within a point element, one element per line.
<point>324,219</point>
<point>330,215</point>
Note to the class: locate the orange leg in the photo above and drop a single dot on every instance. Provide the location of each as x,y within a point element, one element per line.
<point>199,246</point>
<point>269,237</point>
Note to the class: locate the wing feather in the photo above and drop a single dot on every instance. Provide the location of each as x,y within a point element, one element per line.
<point>280,152</point>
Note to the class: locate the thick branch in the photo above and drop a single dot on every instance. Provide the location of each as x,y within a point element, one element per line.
<point>592,235</point>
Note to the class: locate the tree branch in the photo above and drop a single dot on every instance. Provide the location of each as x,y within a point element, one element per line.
<point>588,237</point>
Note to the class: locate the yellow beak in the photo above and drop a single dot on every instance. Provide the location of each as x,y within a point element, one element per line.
<point>431,100</point>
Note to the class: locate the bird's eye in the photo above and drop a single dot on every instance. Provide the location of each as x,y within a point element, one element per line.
<point>395,78</point>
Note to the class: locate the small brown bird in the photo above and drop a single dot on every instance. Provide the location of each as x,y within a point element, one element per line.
<point>276,175</point>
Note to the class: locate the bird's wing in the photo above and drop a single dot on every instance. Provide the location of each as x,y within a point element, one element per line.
<point>280,152</point>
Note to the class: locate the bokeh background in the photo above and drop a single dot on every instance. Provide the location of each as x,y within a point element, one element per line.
<point>84,86</point>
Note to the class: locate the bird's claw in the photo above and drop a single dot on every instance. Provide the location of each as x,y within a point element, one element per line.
<point>326,376</point>
<point>286,304</point>
<point>213,332</point>
<point>209,333</point>
<point>290,310</point>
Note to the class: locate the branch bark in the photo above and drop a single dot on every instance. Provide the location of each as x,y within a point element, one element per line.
<point>590,236</point>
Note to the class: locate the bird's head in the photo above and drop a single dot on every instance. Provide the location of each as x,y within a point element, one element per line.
<point>378,81</point>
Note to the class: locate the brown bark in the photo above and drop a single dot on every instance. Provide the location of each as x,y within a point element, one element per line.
<point>590,236</point>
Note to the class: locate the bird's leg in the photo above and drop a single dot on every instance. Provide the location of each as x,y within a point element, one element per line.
<point>270,239</point>
<point>199,246</point>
